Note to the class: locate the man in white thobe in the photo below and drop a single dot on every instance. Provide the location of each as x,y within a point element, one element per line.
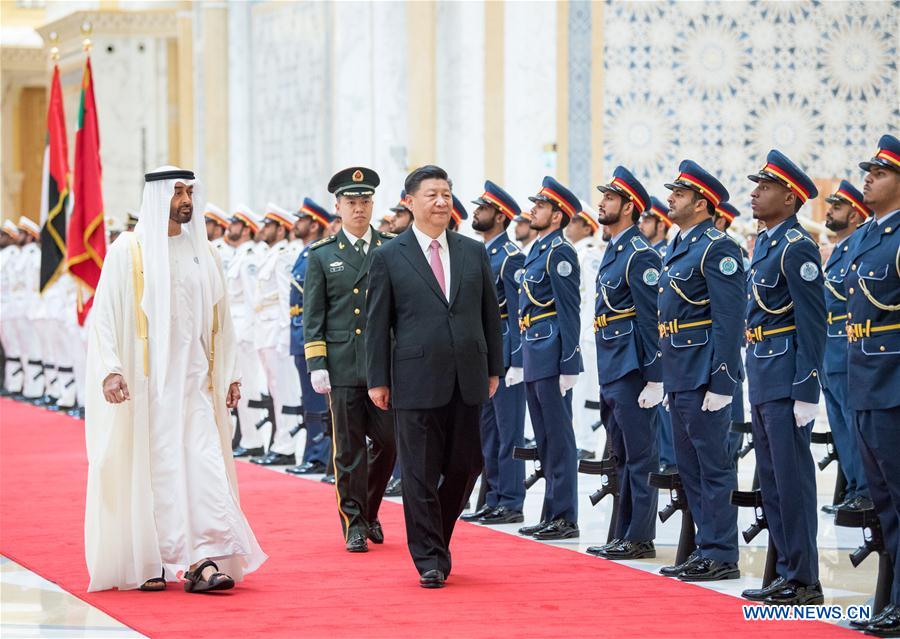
<point>10,291</point>
<point>162,490</point>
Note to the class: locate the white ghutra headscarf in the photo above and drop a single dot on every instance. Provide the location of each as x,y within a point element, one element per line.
<point>152,232</point>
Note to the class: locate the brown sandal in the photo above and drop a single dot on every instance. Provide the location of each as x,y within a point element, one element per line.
<point>194,581</point>
<point>155,584</point>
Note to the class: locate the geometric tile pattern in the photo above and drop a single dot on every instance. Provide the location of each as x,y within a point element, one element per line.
<point>724,82</point>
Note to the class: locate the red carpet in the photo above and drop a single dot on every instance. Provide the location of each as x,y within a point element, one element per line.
<point>310,587</point>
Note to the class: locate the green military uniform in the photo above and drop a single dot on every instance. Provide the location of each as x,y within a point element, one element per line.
<point>334,333</point>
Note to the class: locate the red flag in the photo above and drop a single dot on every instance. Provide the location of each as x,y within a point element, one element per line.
<point>87,234</point>
<point>55,196</point>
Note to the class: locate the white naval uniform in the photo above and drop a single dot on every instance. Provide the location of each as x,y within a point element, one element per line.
<point>10,304</point>
<point>31,315</point>
<point>240,282</point>
<point>272,338</point>
<point>586,394</point>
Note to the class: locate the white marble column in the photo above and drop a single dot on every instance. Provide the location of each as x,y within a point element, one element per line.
<point>459,67</point>
<point>530,96</point>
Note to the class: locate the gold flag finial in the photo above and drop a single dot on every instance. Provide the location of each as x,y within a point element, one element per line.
<point>86,30</point>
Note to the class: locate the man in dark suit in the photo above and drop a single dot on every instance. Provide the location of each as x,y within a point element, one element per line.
<point>435,353</point>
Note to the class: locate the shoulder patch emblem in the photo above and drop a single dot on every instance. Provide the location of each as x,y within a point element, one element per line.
<point>387,235</point>
<point>728,266</point>
<point>809,271</point>
<point>519,275</point>
<point>564,268</point>
<point>510,248</point>
<point>557,241</point>
<point>714,234</point>
<point>651,277</point>
<point>639,244</point>
<point>793,235</point>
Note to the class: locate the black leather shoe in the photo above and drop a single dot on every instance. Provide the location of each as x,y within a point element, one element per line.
<point>328,479</point>
<point>760,594</point>
<point>830,509</point>
<point>274,459</point>
<point>528,531</point>
<point>478,514</point>
<point>307,468</point>
<point>710,570</point>
<point>393,488</point>
<point>557,529</point>
<point>863,623</point>
<point>793,593</point>
<point>888,625</point>
<point>630,550</point>
<point>376,534</point>
<point>677,569</point>
<point>502,515</point>
<point>240,451</point>
<point>598,550</point>
<point>857,504</point>
<point>432,579</point>
<point>356,542</point>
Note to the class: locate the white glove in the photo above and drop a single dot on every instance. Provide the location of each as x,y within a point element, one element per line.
<point>804,412</point>
<point>665,402</point>
<point>321,382</point>
<point>566,383</point>
<point>514,376</point>
<point>713,401</point>
<point>651,395</point>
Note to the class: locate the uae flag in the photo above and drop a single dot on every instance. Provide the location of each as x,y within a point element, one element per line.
<point>87,234</point>
<point>55,192</point>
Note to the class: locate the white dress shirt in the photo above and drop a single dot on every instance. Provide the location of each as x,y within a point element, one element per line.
<point>367,238</point>
<point>444,253</point>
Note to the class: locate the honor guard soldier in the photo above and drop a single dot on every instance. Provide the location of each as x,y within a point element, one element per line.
<point>217,223</point>
<point>334,323</point>
<point>873,326</point>
<point>549,308</point>
<point>240,283</point>
<point>272,334</point>
<point>655,224</point>
<point>628,362</point>
<point>457,214</point>
<point>700,317</point>
<point>582,233</point>
<point>503,416</point>
<point>311,226</point>
<point>845,213</point>
<point>402,215</point>
<point>785,344</point>
<point>726,212</point>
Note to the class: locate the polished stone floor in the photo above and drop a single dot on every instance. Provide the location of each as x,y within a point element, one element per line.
<point>31,606</point>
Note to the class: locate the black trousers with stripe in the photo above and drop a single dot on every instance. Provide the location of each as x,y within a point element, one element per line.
<point>360,474</point>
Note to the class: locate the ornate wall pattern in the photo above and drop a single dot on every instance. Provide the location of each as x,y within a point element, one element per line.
<point>723,82</point>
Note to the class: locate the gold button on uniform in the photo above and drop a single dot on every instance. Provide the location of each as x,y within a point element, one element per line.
<point>851,290</point>
<point>358,331</point>
<point>356,311</point>
<point>881,348</point>
<point>356,291</point>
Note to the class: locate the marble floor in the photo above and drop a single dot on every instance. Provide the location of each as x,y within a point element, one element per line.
<point>31,606</point>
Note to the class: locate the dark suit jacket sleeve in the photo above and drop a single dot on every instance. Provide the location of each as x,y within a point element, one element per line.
<point>490,318</point>
<point>379,320</point>
<point>314,310</point>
